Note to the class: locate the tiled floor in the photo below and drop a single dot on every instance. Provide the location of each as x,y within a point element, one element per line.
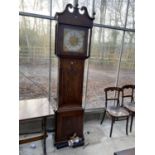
<point>97,142</point>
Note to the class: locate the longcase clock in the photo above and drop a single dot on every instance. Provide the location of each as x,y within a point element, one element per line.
<point>72,47</point>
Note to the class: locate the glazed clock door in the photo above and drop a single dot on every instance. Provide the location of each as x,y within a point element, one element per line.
<point>72,41</point>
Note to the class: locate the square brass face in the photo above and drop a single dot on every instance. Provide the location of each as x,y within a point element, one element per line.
<point>73,40</point>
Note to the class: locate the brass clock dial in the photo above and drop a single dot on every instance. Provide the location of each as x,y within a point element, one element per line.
<point>73,40</point>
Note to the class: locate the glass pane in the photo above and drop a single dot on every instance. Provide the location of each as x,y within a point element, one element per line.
<point>127,66</point>
<point>110,12</point>
<point>59,5</point>
<point>54,81</point>
<point>54,67</point>
<point>85,83</point>
<point>33,58</point>
<point>88,4</point>
<point>103,64</point>
<point>131,15</point>
<point>35,6</point>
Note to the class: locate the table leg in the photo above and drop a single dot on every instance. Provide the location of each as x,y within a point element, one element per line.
<point>44,130</point>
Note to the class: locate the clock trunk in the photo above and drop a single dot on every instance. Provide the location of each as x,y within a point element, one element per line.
<point>69,117</point>
<point>70,82</point>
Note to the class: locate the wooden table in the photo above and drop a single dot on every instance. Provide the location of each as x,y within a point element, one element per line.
<point>33,109</point>
<point>126,152</point>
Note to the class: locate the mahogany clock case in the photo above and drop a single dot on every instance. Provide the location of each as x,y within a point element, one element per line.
<point>69,115</point>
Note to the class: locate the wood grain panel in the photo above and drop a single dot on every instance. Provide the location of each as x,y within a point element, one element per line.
<point>70,82</point>
<point>68,123</point>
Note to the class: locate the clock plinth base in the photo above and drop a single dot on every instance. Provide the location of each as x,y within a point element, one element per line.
<point>68,122</point>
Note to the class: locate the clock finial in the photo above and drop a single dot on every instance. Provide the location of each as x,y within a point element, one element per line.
<point>94,13</point>
<point>76,3</point>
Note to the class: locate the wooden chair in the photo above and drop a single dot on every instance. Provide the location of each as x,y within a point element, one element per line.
<point>128,93</point>
<point>116,112</point>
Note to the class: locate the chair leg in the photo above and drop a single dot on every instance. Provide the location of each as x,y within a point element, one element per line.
<point>112,122</point>
<point>127,120</point>
<point>132,116</point>
<point>103,117</point>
